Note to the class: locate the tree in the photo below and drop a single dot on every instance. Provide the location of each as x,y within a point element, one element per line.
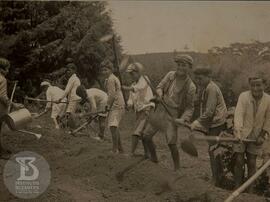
<point>52,32</point>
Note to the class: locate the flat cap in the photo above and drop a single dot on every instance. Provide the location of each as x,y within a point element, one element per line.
<point>184,58</point>
<point>206,71</point>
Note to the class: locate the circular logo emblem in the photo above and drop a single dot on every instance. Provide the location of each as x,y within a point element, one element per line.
<point>27,175</point>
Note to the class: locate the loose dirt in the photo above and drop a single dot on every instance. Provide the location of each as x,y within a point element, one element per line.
<point>83,169</point>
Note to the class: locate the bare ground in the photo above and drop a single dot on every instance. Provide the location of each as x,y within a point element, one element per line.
<point>83,169</point>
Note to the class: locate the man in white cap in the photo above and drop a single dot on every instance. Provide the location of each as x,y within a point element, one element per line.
<point>53,94</point>
<point>140,99</point>
<point>98,100</point>
<point>177,90</point>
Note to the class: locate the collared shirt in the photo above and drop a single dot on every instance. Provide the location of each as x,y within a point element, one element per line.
<point>251,116</point>
<point>141,95</point>
<point>179,95</point>
<point>71,88</point>
<point>96,98</point>
<point>53,93</point>
<point>213,110</point>
<point>115,95</point>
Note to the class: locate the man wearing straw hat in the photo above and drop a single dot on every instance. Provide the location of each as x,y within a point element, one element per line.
<point>70,90</point>
<point>251,121</point>
<point>140,99</point>
<point>53,94</point>
<point>178,92</point>
<point>4,101</point>
<point>98,100</point>
<point>213,112</point>
<point>115,104</point>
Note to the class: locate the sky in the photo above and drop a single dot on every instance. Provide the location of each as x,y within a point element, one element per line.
<point>165,26</point>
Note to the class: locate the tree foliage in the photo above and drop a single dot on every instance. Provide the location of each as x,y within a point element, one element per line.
<point>38,37</point>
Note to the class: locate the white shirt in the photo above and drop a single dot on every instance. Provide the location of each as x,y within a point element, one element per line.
<point>251,117</point>
<point>53,93</point>
<point>71,88</point>
<point>141,95</point>
<point>97,98</point>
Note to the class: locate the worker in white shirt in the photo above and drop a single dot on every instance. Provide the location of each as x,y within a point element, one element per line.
<point>140,96</point>
<point>251,121</point>
<point>70,90</point>
<point>53,93</point>
<point>98,100</point>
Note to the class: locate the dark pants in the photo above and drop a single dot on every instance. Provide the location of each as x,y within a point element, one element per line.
<point>213,162</point>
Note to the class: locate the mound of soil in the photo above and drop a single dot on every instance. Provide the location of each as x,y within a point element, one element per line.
<point>83,169</point>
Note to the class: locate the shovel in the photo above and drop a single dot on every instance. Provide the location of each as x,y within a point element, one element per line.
<point>37,135</point>
<point>188,146</point>
<point>42,100</point>
<point>159,123</point>
<point>73,132</point>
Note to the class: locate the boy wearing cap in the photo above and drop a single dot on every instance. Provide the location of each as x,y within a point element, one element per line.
<point>178,92</point>
<point>4,101</point>
<point>140,98</point>
<point>98,100</point>
<point>53,94</point>
<point>115,104</point>
<point>213,112</point>
<point>251,121</point>
<point>70,90</point>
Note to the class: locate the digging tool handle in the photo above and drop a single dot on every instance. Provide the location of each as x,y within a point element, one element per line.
<point>84,124</point>
<point>41,100</point>
<point>219,139</point>
<point>12,95</point>
<point>223,139</point>
<point>248,182</point>
<point>161,101</point>
<point>117,67</point>
<point>37,135</point>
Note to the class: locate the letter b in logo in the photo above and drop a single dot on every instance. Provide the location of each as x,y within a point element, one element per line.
<point>28,171</point>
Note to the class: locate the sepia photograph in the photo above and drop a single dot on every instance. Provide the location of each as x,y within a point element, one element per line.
<point>134,101</point>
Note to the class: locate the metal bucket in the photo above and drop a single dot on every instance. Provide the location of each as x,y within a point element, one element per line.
<point>18,119</point>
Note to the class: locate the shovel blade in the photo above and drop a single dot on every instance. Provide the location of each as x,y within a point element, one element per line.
<point>157,121</point>
<point>188,147</point>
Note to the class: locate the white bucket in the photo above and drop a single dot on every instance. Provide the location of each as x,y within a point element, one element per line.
<point>18,119</point>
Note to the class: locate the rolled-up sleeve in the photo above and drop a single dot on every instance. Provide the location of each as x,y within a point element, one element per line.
<point>211,103</point>
<point>239,113</point>
<point>190,99</point>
